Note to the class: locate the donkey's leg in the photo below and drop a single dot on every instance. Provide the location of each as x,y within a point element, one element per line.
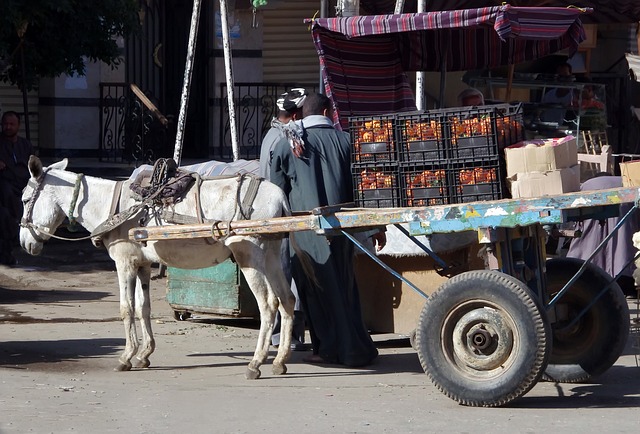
<point>280,288</point>
<point>143,312</point>
<point>250,256</point>
<point>127,281</point>
<point>267,305</point>
<point>262,268</point>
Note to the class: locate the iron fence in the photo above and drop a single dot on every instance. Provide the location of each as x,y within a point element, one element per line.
<point>129,131</point>
<point>255,107</point>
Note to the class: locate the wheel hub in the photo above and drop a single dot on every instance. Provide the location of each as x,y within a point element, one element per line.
<point>482,339</point>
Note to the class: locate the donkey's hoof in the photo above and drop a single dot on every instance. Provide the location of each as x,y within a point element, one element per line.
<point>122,367</point>
<point>252,374</point>
<point>279,369</point>
<point>142,363</point>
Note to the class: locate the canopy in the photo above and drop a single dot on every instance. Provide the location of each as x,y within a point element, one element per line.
<point>364,58</point>
<point>604,11</point>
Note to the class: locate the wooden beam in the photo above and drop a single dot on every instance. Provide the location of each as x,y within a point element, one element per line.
<point>148,104</point>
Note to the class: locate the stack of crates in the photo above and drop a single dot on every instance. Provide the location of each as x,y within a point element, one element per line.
<point>374,162</point>
<point>433,158</point>
<point>422,156</point>
<point>476,139</point>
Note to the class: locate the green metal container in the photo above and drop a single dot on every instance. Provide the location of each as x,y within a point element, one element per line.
<point>218,290</point>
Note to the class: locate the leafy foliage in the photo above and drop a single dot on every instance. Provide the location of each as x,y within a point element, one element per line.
<point>59,35</point>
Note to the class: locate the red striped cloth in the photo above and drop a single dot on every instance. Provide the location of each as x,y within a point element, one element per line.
<point>364,58</point>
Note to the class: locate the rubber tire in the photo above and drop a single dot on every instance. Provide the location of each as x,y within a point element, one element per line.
<point>516,369</point>
<point>599,337</point>
<point>181,315</point>
<point>412,339</point>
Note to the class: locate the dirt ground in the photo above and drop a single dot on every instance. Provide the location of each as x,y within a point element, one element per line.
<point>60,337</point>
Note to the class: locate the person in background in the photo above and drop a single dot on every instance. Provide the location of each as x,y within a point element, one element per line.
<point>588,99</point>
<point>314,172</point>
<point>619,250</point>
<point>470,97</point>
<point>289,109</point>
<point>559,96</point>
<point>14,174</point>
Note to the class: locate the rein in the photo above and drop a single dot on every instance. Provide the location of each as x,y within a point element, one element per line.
<point>74,199</point>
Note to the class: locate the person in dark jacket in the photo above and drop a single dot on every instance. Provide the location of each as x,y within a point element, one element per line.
<point>315,171</point>
<point>14,174</point>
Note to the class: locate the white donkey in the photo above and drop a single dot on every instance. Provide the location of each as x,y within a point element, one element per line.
<point>54,193</point>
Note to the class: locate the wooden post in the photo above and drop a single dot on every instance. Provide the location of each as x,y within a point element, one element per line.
<point>229,72</point>
<point>512,68</point>
<point>186,84</point>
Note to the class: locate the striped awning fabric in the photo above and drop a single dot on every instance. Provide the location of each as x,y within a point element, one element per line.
<point>364,58</point>
<point>604,11</point>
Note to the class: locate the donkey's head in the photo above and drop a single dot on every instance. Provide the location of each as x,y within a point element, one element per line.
<point>42,213</point>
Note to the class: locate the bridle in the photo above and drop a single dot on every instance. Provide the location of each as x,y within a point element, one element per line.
<point>35,230</point>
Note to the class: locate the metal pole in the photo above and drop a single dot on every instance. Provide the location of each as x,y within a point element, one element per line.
<point>324,13</point>
<point>228,66</point>
<point>445,44</point>
<point>420,75</point>
<point>186,84</point>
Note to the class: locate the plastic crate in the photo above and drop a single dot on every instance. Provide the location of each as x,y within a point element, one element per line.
<point>479,182</point>
<point>424,186</point>
<point>482,132</point>
<point>420,138</point>
<point>373,139</point>
<point>376,186</point>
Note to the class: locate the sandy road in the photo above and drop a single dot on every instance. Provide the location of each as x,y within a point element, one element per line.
<point>60,337</point>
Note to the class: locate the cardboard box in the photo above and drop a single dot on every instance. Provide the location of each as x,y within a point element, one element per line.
<point>541,155</point>
<point>536,184</point>
<point>630,172</point>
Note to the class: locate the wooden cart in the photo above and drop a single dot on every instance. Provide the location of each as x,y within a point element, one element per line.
<point>485,337</point>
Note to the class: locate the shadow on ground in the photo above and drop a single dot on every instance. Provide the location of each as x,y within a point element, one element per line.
<point>52,354</point>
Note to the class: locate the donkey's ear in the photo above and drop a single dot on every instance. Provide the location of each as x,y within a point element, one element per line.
<point>60,165</point>
<point>35,166</point>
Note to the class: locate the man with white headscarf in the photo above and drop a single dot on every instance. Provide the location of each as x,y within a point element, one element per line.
<point>289,110</point>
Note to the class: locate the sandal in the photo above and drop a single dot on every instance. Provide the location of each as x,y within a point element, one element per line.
<point>316,359</point>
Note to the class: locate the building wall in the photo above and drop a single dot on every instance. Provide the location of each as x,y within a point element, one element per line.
<point>69,112</point>
<point>288,51</point>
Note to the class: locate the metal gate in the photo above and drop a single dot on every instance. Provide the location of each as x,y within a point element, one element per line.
<point>154,61</point>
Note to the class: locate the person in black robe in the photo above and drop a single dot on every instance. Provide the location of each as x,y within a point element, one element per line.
<point>619,250</point>
<point>14,174</point>
<point>315,170</point>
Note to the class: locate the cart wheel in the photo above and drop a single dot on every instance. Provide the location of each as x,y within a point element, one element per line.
<point>412,339</point>
<point>593,344</point>
<point>482,339</point>
<point>181,315</point>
